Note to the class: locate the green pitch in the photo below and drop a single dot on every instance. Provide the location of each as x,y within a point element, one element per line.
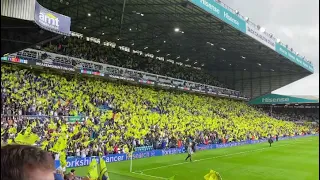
<point>295,159</point>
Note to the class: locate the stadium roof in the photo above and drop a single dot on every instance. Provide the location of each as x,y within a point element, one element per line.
<point>307,97</point>
<point>202,40</point>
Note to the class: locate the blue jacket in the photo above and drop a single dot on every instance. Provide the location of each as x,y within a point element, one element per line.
<point>58,176</point>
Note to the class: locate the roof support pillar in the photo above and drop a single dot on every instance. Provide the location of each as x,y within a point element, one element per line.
<point>122,15</point>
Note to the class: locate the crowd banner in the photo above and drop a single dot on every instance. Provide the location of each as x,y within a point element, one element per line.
<point>262,37</point>
<point>52,21</point>
<point>73,162</point>
<point>293,57</point>
<point>222,13</point>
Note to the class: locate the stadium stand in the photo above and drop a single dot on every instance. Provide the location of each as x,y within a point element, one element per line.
<point>294,114</point>
<point>101,117</point>
<point>81,48</point>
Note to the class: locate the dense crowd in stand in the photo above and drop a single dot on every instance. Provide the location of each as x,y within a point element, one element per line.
<point>295,114</point>
<point>112,117</point>
<point>80,48</point>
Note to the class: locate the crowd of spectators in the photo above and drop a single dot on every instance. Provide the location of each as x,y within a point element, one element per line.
<point>294,114</point>
<point>81,48</point>
<point>101,117</point>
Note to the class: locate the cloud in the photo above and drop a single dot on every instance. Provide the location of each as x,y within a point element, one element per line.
<point>296,23</point>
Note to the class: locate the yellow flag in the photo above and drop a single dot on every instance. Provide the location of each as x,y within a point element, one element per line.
<point>44,144</point>
<point>212,175</point>
<point>93,170</point>
<point>103,175</point>
<point>31,138</point>
<point>63,159</point>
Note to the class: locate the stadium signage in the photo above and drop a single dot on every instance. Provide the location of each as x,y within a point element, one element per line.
<point>77,162</point>
<point>74,119</point>
<point>222,13</point>
<point>164,80</point>
<point>165,85</point>
<point>150,78</point>
<point>14,59</point>
<point>293,57</point>
<point>120,77</point>
<point>52,21</point>
<point>146,82</point>
<point>53,65</point>
<point>281,100</point>
<point>262,37</point>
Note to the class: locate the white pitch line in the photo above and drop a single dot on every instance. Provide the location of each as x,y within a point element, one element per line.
<point>226,155</point>
<point>148,175</point>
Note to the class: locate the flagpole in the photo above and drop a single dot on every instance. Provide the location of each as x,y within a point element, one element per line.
<point>131,162</point>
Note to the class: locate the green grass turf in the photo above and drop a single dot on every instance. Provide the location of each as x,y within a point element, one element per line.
<point>294,159</point>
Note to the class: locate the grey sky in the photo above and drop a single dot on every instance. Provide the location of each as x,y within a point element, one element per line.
<point>296,23</point>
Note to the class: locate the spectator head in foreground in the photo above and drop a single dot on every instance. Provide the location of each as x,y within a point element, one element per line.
<point>73,172</point>
<point>22,162</point>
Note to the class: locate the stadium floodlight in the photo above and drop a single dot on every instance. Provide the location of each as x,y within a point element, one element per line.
<point>237,12</point>
<point>243,57</point>
<point>210,43</point>
<point>246,18</point>
<point>271,69</point>
<point>102,33</point>
<point>202,65</point>
<point>146,47</point>
<point>137,13</point>
<point>182,32</point>
<point>230,64</point>
<point>187,59</point>
<point>176,29</point>
<point>259,64</point>
<point>89,14</point>
<point>158,50</point>
<point>84,27</point>
<point>297,53</point>
<point>223,49</point>
<point>110,19</point>
<point>132,44</point>
<point>262,29</point>
<point>106,17</point>
<point>164,41</point>
<point>142,14</point>
<point>130,29</point>
<point>178,57</point>
<point>195,62</point>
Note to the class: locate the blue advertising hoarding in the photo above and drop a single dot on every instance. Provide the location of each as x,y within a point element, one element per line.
<point>222,13</point>
<point>77,162</point>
